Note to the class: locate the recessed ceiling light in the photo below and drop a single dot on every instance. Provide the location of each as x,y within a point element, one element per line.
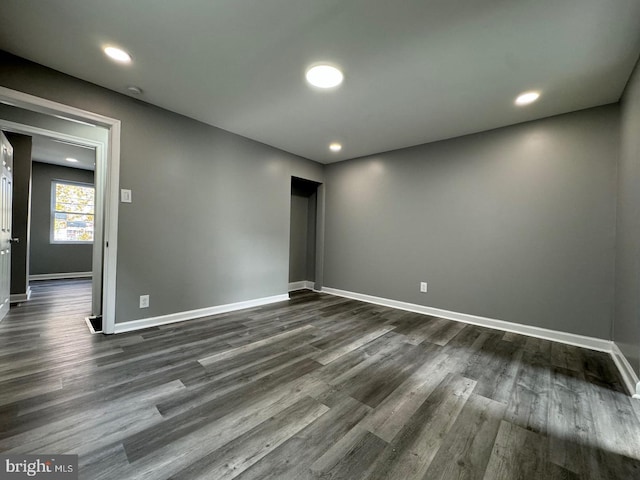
<point>117,54</point>
<point>134,90</point>
<point>72,160</point>
<point>324,76</point>
<point>335,147</point>
<point>527,97</point>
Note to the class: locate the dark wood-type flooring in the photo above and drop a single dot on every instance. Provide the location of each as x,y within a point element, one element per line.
<point>320,387</point>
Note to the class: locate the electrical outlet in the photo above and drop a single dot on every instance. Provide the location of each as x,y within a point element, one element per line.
<point>423,287</point>
<point>144,301</point>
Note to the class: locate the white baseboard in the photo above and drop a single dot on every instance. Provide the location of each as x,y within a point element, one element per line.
<point>20,297</point>
<point>304,284</point>
<point>60,276</point>
<point>591,343</point>
<point>193,314</point>
<point>629,376</point>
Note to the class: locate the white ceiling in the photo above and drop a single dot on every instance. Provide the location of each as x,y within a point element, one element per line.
<point>415,71</point>
<point>46,150</point>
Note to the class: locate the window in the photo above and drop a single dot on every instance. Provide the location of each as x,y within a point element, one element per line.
<point>72,212</point>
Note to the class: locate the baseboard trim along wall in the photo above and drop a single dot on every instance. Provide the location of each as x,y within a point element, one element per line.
<point>628,375</point>
<point>304,284</point>
<point>554,335</point>
<point>193,314</point>
<point>60,276</point>
<point>20,297</point>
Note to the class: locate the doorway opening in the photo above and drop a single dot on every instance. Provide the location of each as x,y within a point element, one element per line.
<point>54,212</point>
<point>303,235</point>
<point>40,117</point>
<point>53,218</point>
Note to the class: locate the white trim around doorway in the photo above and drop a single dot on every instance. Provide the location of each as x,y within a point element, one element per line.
<point>107,169</point>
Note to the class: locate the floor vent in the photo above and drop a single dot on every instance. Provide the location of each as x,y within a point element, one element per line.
<point>94,324</point>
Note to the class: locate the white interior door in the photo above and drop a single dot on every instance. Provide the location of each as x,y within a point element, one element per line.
<point>6,198</point>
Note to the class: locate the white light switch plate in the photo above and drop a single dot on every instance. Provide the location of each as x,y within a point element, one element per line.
<point>125,195</point>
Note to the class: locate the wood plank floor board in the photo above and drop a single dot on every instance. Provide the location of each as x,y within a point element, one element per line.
<point>355,363</point>
<point>414,326</point>
<point>467,446</point>
<point>528,406</point>
<point>539,345</point>
<point>339,330</point>
<point>150,347</point>
<point>21,388</point>
<point>410,453</point>
<point>299,307</point>
<point>265,332</point>
<point>266,353</point>
<point>599,370</point>
<point>371,387</point>
<point>344,347</point>
<point>483,356</point>
<point>500,372</point>
<point>466,343</point>
<point>91,434</point>
<point>357,378</point>
<point>107,463</point>
<point>167,458</point>
<point>519,340</point>
<point>247,449</point>
<point>263,360</point>
<point>613,412</point>
<point>317,387</point>
<point>519,453</point>
<point>103,377</point>
<point>342,366</point>
<point>444,332</point>
<point>395,411</point>
<point>567,357</point>
<point>279,369</point>
<point>207,410</point>
<point>570,411</point>
<point>294,458</point>
<point>19,366</point>
<point>272,339</point>
<point>119,414</point>
<point>354,463</point>
<point>47,408</point>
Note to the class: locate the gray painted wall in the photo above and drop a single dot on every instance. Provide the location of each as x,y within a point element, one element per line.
<point>20,216</point>
<point>626,329</point>
<point>515,224</point>
<point>46,257</point>
<point>209,222</point>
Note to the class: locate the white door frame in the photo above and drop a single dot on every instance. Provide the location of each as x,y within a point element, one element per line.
<point>107,180</point>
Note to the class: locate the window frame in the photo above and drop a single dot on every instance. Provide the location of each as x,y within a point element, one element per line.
<point>53,211</point>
